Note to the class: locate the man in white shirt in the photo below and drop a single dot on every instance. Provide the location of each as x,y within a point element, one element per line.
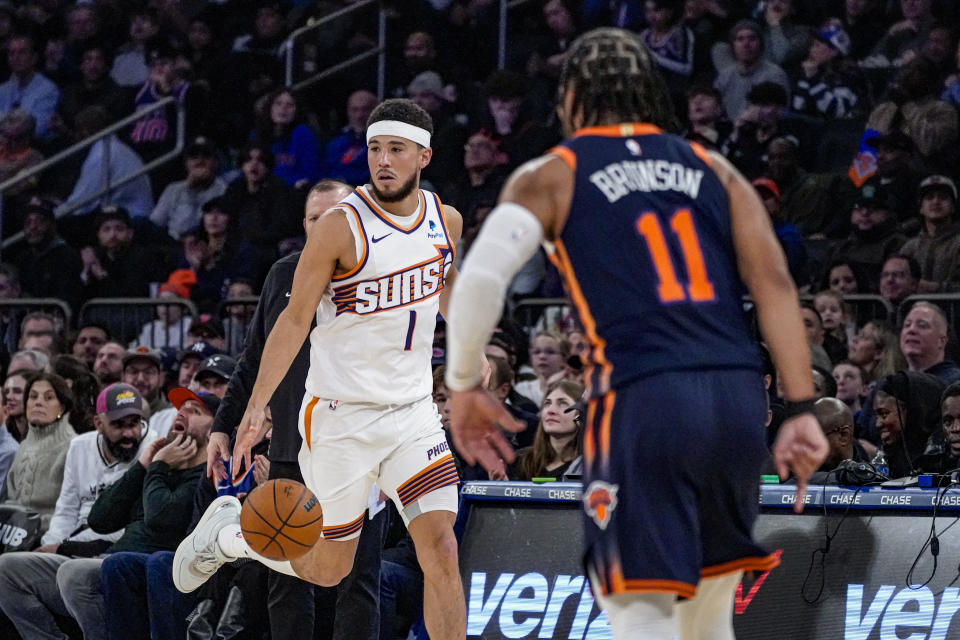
<point>29,594</point>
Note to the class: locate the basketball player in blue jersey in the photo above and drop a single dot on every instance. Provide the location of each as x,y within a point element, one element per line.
<point>654,237</point>
<point>375,271</point>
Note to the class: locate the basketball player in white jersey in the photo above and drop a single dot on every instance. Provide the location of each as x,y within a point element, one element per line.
<point>375,272</point>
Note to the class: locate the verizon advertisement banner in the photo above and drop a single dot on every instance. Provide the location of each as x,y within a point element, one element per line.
<point>520,559</point>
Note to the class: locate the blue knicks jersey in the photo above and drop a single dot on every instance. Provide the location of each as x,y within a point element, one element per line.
<point>647,254</point>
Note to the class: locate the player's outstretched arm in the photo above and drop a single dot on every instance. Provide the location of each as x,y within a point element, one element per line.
<point>801,446</point>
<point>530,205</point>
<point>331,242</point>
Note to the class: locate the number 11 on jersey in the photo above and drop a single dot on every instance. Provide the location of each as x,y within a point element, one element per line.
<point>699,288</point>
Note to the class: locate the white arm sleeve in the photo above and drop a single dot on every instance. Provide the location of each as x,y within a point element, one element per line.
<point>509,238</point>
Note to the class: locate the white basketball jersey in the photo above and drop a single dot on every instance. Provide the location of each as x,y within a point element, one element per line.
<point>374,336</point>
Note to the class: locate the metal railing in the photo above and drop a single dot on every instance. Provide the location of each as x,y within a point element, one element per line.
<point>127,318</point>
<point>537,314</point>
<point>289,48</point>
<point>107,181</point>
<point>235,327</point>
<point>53,306</point>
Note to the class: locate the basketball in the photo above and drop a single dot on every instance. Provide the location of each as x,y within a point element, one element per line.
<point>281,519</point>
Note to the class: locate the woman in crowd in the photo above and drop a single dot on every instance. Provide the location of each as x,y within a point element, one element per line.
<point>35,477</point>
<point>907,412</point>
<point>548,357</point>
<point>294,146</point>
<point>84,386</point>
<point>13,394</point>
<point>558,442</point>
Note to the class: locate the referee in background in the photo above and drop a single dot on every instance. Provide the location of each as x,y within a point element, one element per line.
<point>291,600</point>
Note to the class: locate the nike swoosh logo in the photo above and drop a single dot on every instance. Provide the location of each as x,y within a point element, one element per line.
<point>376,239</point>
<point>288,294</point>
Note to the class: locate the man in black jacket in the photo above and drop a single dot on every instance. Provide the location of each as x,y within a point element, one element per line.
<point>291,600</point>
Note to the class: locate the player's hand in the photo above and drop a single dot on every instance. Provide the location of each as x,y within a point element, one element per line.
<point>476,417</point>
<point>178,452</point>
<point>801,448</point>
<point>218,452</point>
<point>253,427</point>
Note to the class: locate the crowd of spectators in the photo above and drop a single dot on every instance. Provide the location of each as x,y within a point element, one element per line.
<point>842,113</point>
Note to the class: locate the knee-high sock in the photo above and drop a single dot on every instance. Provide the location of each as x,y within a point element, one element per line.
<point>709,615</point>
<point>232,544</point>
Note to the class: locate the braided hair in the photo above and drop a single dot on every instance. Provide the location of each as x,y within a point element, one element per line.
<point>613,79</point>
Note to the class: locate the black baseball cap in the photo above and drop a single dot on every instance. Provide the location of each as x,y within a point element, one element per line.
<point>119,401</point>
<point>220,365</point>
<point>179,395</point>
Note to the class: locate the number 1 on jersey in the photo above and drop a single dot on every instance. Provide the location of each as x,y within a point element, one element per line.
<point>410,327</point>
<point>699,289</point>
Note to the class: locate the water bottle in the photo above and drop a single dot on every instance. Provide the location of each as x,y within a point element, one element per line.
<point>880,462</point>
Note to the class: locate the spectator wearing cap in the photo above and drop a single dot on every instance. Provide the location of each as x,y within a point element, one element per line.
<point>874,236</point>
<point>707,124</point>
<point>136,196</point>
<point>748,68</point>
<point>28,580</point>
<point>114,269</point>
<point>791,240</point>
<point>36,474</point>
<point>48,266</point>
<point>937,248</point>
<point>179,206</point>
<point>214,375</point>
<point>108,365</point>
<point>449,131</point>
<point>190,359</point>
<point>507,116</point>
<point>143,370</point>
<point>345,157</point>
<point>27,87</point>
<point>484,176</point>
<point>129,67</point>
<point>824,87</point>
<point>94,86</point>
<point>295,147</point>
<point>137,581</point>
<point>152,503</point>
<point>208,328</point>
<point>17,148</point>
<point>224,253</point>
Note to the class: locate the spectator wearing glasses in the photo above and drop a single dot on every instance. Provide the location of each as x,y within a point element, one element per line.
<point>899,278</point>
<point>548,357</point>
<point>143,370</point>
<point>484,176</point>
<point>39,331</point>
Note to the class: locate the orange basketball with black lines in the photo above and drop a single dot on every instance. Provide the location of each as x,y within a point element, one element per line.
<point>281,519</point>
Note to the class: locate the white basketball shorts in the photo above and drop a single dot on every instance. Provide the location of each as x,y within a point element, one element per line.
<point>349,447</point>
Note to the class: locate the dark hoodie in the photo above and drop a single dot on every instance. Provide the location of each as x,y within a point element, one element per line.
<point>919,395</point>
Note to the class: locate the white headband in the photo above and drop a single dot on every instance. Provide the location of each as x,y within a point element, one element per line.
<point>400,129</point>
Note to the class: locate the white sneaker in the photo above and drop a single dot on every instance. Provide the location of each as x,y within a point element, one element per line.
<point>198,556</point>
